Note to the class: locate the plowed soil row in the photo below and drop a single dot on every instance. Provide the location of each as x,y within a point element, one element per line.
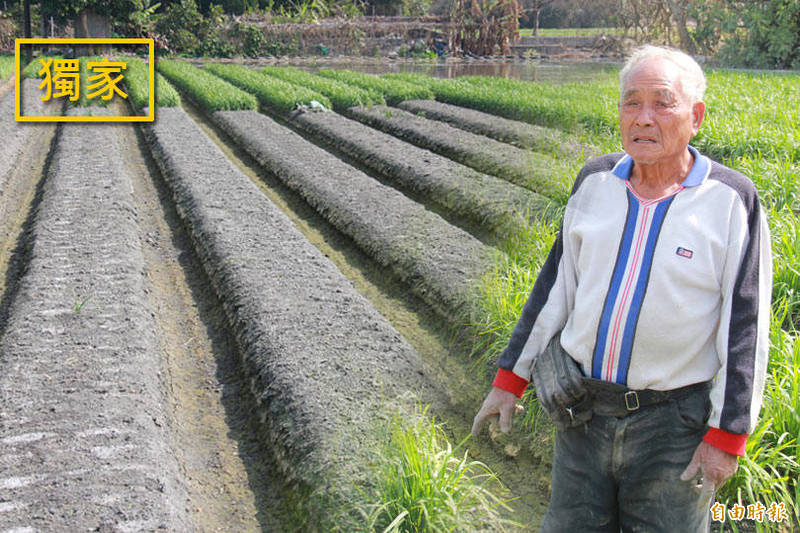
<point>519,134</point>
<point>439,261</point>
<point>84,441</point>
<point>535,171</point>
<point>316,352</point>
<point>23,153</point>
<point>230,482</point>
<point>123,405</point>
<point>486,201</point>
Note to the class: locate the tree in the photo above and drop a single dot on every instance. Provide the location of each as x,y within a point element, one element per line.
<point>678,9</point>
<point>751,34</point>
<point>534,7</point>
<point>481,26</point>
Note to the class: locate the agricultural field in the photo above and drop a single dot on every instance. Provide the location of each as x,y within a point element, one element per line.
<point>278,306</point>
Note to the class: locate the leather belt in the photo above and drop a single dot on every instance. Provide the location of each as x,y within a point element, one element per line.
<point>613,399</point>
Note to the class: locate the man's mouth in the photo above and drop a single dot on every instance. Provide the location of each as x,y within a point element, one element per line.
<point>644,140</point>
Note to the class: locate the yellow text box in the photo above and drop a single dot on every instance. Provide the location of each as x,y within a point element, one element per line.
<point>151,108</point>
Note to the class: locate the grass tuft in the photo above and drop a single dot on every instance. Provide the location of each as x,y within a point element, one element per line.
<point>32,69</point>
<point>424,484</point>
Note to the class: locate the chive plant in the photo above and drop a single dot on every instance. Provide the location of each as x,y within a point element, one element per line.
<point>209,91</point>
<point>424,484</point>
<point>341,95</point>
<point>6,67</point>
<point>394,91</point>
<point>137,82</point>
<point>278,95</point>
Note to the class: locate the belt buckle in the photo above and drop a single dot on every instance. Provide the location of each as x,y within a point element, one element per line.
<point>631,400</point>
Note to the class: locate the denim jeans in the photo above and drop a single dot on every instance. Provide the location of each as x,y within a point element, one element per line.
<point>623,474</point>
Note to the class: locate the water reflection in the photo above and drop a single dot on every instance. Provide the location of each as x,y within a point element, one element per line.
<point>524,70</point>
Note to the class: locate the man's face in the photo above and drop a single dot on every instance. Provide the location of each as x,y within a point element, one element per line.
<point>656,120</point>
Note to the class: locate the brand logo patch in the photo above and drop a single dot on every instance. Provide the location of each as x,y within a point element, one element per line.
<point>683,252</point>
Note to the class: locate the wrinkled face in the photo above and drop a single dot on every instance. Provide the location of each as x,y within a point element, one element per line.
<point>656,120</point>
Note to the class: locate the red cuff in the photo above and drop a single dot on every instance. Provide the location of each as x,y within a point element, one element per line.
<point>732,443</point>
<point>509,381</point>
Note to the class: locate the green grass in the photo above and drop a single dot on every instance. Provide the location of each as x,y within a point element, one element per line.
<point>276,94</point>
<point>394,91</point>
<point>6,67</point>
<point>341,95</point>
<point>137,80</point>
<point>576,107</point>
<point>423,483</point>
<point>751,113</point>
<point>770,471</point>
<point>209,91</point>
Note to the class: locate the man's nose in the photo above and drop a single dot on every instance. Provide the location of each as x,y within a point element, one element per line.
<point>645,115</point>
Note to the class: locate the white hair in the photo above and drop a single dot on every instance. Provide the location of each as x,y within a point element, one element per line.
<point>693,81</point>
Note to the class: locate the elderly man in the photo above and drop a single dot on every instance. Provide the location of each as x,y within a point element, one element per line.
<point>658,289</point>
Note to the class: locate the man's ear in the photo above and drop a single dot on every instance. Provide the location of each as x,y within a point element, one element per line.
<point>698,113</point>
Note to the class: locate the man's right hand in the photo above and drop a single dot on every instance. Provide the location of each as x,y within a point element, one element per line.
<point>499,404</point>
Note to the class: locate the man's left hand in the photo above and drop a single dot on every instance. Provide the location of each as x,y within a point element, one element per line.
<point>715,467</point>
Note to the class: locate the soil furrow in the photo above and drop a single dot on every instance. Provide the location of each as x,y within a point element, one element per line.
<point>520,134</point>
<point>485,200</point>
<point>84,442</point>
<point>322,363</point>
<point>24,159</point>
<point>439,261</point>
<point>532,170</point>
<point>16,135</point>
<point>229,485</point>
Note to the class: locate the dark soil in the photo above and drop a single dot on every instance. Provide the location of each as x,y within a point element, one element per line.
<point>84,442</point>
<point>441,262</point>
<point>230,484</point>
<point>486,201</point>
<point>519,134</point>
<point>322,363</point>
<point>532,170</point>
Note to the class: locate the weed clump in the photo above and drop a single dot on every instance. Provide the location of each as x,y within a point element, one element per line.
<point>424,483</point>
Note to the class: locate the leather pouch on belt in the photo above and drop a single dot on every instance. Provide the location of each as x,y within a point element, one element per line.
<point>558,381</point>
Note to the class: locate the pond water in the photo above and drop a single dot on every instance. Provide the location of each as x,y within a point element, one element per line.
<point>572,72</point>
